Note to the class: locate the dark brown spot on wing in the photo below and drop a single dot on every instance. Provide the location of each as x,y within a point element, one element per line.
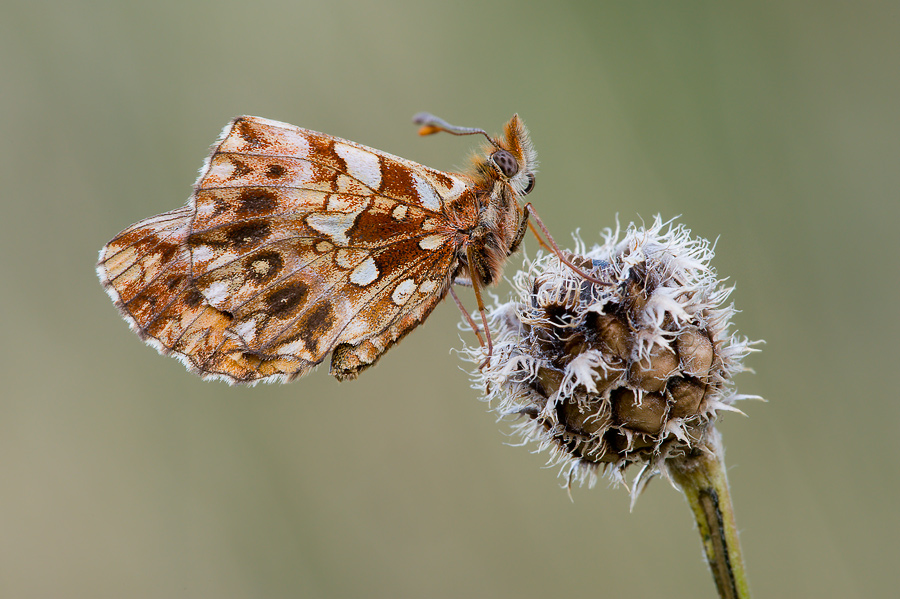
<point>220,203</point>
<point>240,168</point>
<point>322,150</point>
<point>193,297</point>
<point>263,267</point>
<point>247,233</point>
<point>164,249</point>
<point>248,133</point>
<point>275,171</point>
<point>173,281</point>
<point>401,255</point>
<point>257,201</point>
<point>282,302</point>
<point>315,326</point>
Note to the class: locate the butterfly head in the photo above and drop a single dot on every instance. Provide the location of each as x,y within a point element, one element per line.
<point>512,157</point>
<point>501,172</point>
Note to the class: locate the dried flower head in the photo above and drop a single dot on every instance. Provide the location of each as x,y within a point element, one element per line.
<point>608,376</point>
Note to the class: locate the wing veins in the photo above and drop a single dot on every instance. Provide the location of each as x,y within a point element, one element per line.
<point>392,241</point>
<point>325,166</point>
<point>383,285</point>
<point>281,214</point>
<point>135,262</point>
<point>281,279</point>
<point>376,295</point>
<point>144,329</point>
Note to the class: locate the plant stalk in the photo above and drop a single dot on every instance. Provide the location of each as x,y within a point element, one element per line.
<point>701,477</point>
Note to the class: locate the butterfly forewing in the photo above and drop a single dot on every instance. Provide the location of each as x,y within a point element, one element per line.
<point>293,243</point>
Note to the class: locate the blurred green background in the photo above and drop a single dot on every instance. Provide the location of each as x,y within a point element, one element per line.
<point>772,126</point>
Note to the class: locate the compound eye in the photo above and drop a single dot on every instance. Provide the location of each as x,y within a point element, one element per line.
<point>509,166</point>
<point>529,185</point>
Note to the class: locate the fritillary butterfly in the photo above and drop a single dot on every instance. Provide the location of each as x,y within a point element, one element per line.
<point>295,244</point>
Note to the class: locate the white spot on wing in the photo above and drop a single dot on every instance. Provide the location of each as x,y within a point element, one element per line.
<point>356,330</point>
<point>347,258</point>
<point>365,273</point>
<point>216,292</point>
<point>427,194</point>
<point>399,213</point>
<point>301,173</point>
<point>457,190</point>
<point>204,209</point>
<point>246,329</point>
<point>432,242</point>
<point>427,287</point>
<point>403,291</point>
<point>221,260</point>
<point>342,258</point>
<point>293,348</point>
<point>202,253</point>
<point>333,225</point>
<point>341,203</point>
<point>362,165</point>
<point>221,170</point>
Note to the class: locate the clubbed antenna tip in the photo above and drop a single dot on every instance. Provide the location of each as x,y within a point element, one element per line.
<point>429,124</point>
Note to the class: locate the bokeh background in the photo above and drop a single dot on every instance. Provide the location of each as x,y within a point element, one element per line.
<point>772,126</point>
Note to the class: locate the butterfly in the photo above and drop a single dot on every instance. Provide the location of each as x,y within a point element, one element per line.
<point>296,244</point>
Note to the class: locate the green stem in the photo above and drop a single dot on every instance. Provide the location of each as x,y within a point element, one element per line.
<point>701,477</point>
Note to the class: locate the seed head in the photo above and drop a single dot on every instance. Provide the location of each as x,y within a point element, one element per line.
<point>608,376</point>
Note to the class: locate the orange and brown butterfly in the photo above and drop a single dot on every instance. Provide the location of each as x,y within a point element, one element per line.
<point>295,244</point>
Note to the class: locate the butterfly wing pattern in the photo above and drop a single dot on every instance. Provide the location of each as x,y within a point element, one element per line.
<point>297,244</point>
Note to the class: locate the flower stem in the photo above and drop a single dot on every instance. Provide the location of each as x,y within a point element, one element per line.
<point>701,477</point>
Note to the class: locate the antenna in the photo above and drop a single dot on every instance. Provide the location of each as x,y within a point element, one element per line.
<point>429,124</point>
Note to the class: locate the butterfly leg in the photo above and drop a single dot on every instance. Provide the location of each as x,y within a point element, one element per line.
<point>529,210</point>
<point>476,285</point>
<point>468,317</point>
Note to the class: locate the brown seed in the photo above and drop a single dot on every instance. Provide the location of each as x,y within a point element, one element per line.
<point>686,396</point>
<point>644,417</point>
<point>606,377</point>
<point>575,345</point>
<point>696,352</point>
<point>543,335</point>
<point>583,420</point>
<point>619,443</point>
<point>651,374</point>
<point>614,334</point>
<point>637,297</point>
<point>549,380</point>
